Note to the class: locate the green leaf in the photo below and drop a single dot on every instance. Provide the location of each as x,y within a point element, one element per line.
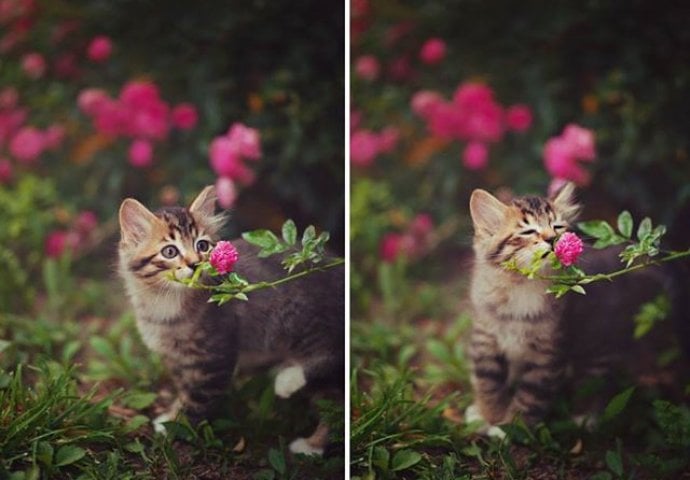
<point>135,423</point>
<point>380,457</point>
<point>68,454</point>
<point>644,228</point>
<point>134,447</point>
<point>617,403</point>
<point>241,296</point>
<point>277,461</point>
<point>625,223</point>
<point>404,459</point>
<point>614,462</point>
<point>599,229</point>
<point>102,346</point>
<point>309,235</point>
<point>44,453</point>
<point>139,400</point>
<point>262,238</point>
<point>289,232</point>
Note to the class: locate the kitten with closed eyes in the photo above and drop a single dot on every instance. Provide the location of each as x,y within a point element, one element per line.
<point>526,345</point>
<point>298,327</point>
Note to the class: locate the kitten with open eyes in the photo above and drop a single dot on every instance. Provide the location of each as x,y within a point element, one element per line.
<point>298,326</point>
<point>524,341</point>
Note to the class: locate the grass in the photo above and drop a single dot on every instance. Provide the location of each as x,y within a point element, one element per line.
<point>78,391</point>
<point>410,387</point>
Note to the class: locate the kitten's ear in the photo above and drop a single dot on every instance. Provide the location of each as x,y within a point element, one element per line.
<point>564,202</point>
<point>488,212</point>
<point>135,221</point>
<point>205,203</point>
<point>204,209</point>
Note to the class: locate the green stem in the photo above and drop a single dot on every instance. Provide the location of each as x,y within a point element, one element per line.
<point>260,285</point>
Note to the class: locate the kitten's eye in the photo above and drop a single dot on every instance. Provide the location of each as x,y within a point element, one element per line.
<point>202,246</point>
<point>170,251</point>
<point>529,231</point>
<point>559,227</point>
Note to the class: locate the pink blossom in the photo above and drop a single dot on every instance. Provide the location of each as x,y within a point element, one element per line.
<point>470,95</point>
<point>247,140</point>
<point>141,153</point>
<point>90,99</point>
<point>225,157</point>
<point>9,98</point>
<point>580,142</point>
<point>100,48</point>
<point>53,137</point>
<point>111,117</point>
<point>10,122</point>
<point>364,148</point>
<point>425,102</point>
<point>391,247</point>
<point>27,145</point>
<point>388,139</point>
<point>519,117</point>
<point>149,120</point>
<point>433,51</point>
<point>367,67</point>
<point>137,93</point>
<point>34,65</point>
<point>561,163</point>
<point>223,257</point>
<point>6,171</point>
<point>481,121</point>
<point>58,242</point>
<point>445,120</point>
<point>184,116</point>
<point>86,222</point>
<point>475,156</point>
<point>568,248</point>
<point>421,225</point>
<point>226,192</point>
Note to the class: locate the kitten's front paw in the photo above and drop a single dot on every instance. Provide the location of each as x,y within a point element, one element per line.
<point>302,445</point>
<point>289,380</point>
<point>472,415</point>
<point>167,416</point>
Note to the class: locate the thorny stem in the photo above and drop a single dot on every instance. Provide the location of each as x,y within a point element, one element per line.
<point>610,276</point>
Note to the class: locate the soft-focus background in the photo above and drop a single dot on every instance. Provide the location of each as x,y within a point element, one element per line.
<point>515,98</point>
<point>100,100</point>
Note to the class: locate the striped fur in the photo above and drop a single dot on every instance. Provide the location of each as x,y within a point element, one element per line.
<point>299,326</point>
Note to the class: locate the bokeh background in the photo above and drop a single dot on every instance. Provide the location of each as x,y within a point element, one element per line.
<point>515,98</point>
<point>100,100</point>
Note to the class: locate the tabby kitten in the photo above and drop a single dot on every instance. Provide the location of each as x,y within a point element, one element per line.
<point>299,326</point>
<point>524,341</point>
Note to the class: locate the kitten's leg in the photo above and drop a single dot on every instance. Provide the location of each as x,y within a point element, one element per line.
<point>201,381</point>
<point>167,416</point>
<point>310,371</point>
<point>489,377</point>
<point>314,444</point>
<point>539,380</point>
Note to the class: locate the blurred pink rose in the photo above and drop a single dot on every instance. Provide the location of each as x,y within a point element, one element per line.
<point>149,120</point>
<point>90,99</point>
<point>34,65</point>
<point>421,225</point>
<point>445,120</point>
<point>433,51</point>
<point>475,156</point>
<point>58,242</point>
<point>110,117</point>
<point>86,222</point>
<point>390,247</point>
<point>247,140</point>
<point>27,145</point>
<point>184,116</point>
<point>136,94</point>
<point>367,67</point>
<point>9,98</point>
<point>424,102</point>
<point>226,191</point>
<point>519,117</point>
<point>225,157</point>
<point>53,137</point>
<point>580,142</point>
<point>65,66</point>
<point>10,122</point>
<point>561,163</point>
<point>471,95</point>
<point>484,122</point>
<point>388,139</point>
<point>100,48</point>
<point>5,171</point>
<point>364,147</point>
<point>141,153</point>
